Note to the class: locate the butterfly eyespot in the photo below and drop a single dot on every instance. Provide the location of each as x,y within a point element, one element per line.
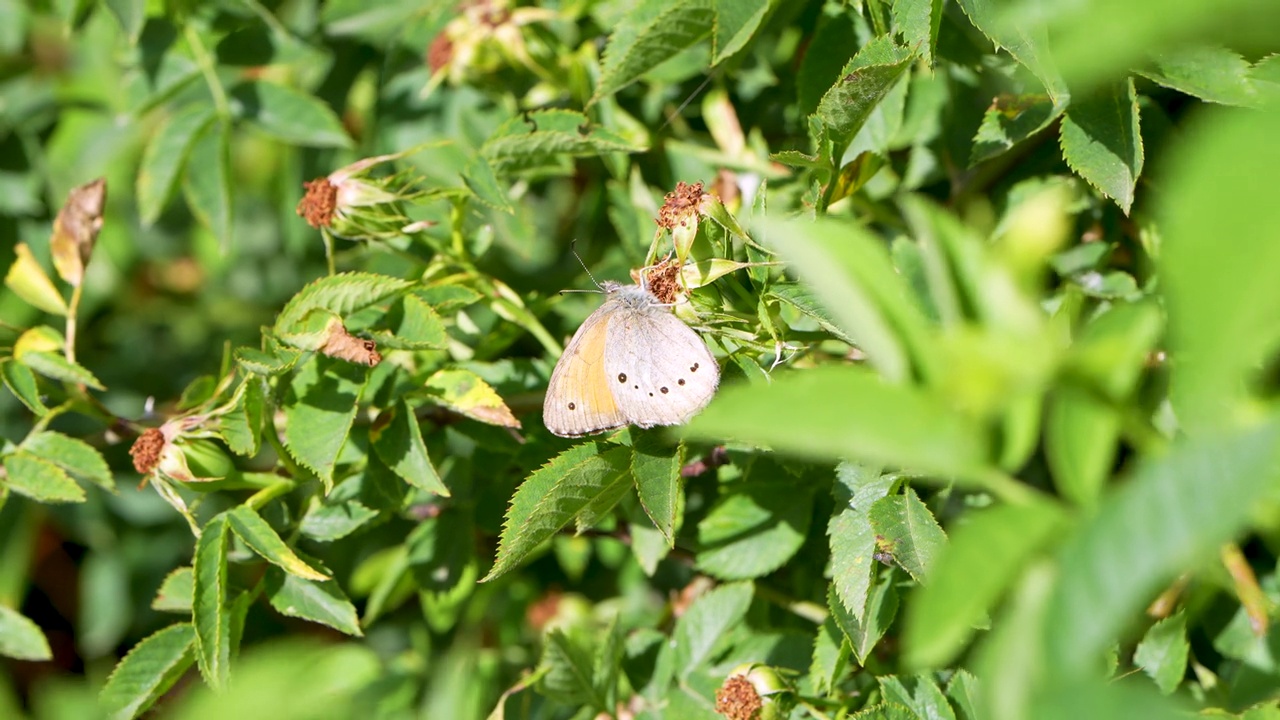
<point>663,390</point>
<point>650,394</point>
<point>680,381</point>
<point>637,387</point>
<point>622,377</point>
<point>694,368</point>
<point>573,406</point>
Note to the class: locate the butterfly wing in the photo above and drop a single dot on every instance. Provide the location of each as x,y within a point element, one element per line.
<point>659,369</point>
<point>578,400</point>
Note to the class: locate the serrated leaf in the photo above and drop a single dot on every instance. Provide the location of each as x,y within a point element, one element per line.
<point>318,601</point>
<point>648,36</point>
<point>753,529</point>
<point>830,657</point>
<point>864,81</point>
<point>414,326</point>
<point>925,700</point>
<point>209,190</point>
<point>55,366</point>
<point>963,692</point>
<point>706,623</point>
<point>166,155</point>
<point>1214,74</point>
<point>73,455</point>
<point>263,540</point>
<point>907,529</point>
<point>554,495</point>
<point>569,675</point>
<point>1176,510</point>
<point>919,21</point>
<point>736,22</point>
<point>468,394</point>
<point>175,592</point>
<point>1162,654</point>
<point>397,440</point>
<point>1025,40</point>
<point>655,465</point>
<point>447,298</point>
<point>865,633</point>
<point>20,381</point>
<point>804,300</point>
<point>1101,141</point>
<point>291,115</point>
<point>342,295</point>
<point>543,137</point>
<point>40,479</point>
<point>20,638</point>
<point>241,426</point>
<point>481,180</point>
<point>30,282</point>
<point>330,521</point>
<point>320,405</point>
<point>852,540</point>
<point>1009,120</point>
<point>269,364</point>
<point>973,571</point>
<point>144,675</point>
<point>209,609</point>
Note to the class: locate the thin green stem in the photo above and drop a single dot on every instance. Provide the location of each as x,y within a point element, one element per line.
<point>69,343</point>
<point>209,70</point>
<point>270,492</point>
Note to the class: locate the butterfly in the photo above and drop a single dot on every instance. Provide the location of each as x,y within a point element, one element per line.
<point>632,362</point>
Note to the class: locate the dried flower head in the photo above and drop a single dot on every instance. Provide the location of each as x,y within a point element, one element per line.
<point>680,205</point>
<point>737,699</point>
<point>353,203</point>
<point>480,39</point>
<point>663,281</point>
<point>146,450</point>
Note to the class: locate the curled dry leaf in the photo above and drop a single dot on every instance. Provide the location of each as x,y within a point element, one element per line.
<point>76,228</point>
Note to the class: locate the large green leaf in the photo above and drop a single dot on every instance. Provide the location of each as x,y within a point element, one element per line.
<point>851,537</point>
<point>39,479</point>
<point>1162,654</point>
<point>704,625</point>
<point>399,444</point>
<point>864,81</point>
<point>166,156</point>
<point>1210,73</point>
<point>210,612</point>
<point>656,465</point>
<point>318,601</point>
<point>754,528</point>
<point>263,540</point>
<point>908,531</point>
<point>1024,39</point>
<point>319,407</point>
<point>557,494</point>
<point>71,454</point>
<point>650,34</point>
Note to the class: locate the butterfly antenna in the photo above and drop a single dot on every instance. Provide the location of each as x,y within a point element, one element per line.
<point>676,113</point>
<point>573,248</point>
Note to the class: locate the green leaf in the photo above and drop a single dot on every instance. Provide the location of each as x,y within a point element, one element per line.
<point>919,21</point>
<point>20,638</point>
<point>175,592</point>
<point>71,454</point>
<point>753,529</point>
<point>343,294</point>
<point>467,394</point>
<point>290,115</point>
<point>55,366</point>
<point>320,404</point>
<point>736,22</point>
<point>908,530</point>
<point>865,632</point>
<point>209,189</point>
<point>39,479</point>
<point>144,675</point>
<point>570,674</point>
<point>851,273</point>
<point>927,700</point>
<point>852,540</point>
<point>864,81</point>
<point>554,495</point>
<point>1221,305</point>
<point>706,622</point>
<point>1162,654</point>
<point>802,299</point>
<point>399,444</point>
<point>20,381</point>
<point>1024,39</point>
<point>131,14</point>
<point>1176,510</point>
<point>1009,120</point>
<point>482,181</point>
<point>318,601</point>
<point>241,426</point>
<point>263,540</point>
<point>210,613</point>
<point>166,155</point>
<point>1215,74</point>
<point>830,657</point>
<point>973,571</point>
<point>541,138</point>
<point>415,326</point>
<point>1101,141</point>
<point>656,465</point>
<point>963,693</point>
<point>651,34</point>
<point>329,520</point>
<point>836,412</point>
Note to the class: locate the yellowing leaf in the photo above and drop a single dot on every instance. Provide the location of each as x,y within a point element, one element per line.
<point>466,393</point>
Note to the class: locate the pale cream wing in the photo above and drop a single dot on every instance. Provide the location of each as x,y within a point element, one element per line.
<point>578,400</point>
<point>660,370</point>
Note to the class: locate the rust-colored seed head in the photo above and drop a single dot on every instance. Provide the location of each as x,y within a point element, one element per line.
<point>146,450</point>
<point>317,206</point>
<point>439,52</point>
<point>737,699</point>
<point>661,281</point>
<point>679,204</point>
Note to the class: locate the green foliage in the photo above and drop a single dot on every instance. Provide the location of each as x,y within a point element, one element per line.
<point>990,284</point>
